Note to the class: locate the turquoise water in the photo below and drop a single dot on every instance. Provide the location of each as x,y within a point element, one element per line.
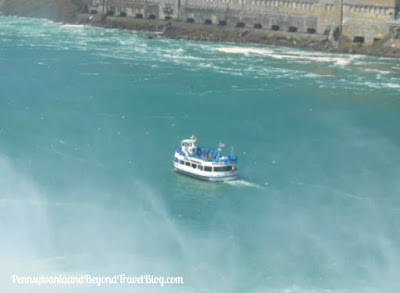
<point>90,119</point>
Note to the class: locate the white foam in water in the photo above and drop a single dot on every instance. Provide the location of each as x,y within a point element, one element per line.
<point>379,71</point>
<point>241,50</point>
<point>382,85</point>
<point>372,85</point>
<point>245,183</point>
<point>292,55</point>
<point>74,25</point>
<point>391,85</point>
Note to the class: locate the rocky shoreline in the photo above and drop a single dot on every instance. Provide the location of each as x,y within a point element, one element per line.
<point>71,11</point>
<point>176,29</point>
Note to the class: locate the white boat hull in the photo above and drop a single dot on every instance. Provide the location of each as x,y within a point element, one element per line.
<point>208,176</point>
<point>204,163</point>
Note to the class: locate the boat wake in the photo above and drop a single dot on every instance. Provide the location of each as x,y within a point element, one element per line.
<point>244,183</point>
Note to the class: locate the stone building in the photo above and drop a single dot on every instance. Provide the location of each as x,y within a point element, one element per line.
<point>361,20</point>
<point>368,20</point>
<point>136,8</point>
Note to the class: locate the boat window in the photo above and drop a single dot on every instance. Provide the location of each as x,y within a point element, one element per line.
<point>228,168</point>
<point>208,169</point>
<point>187,163</point>
<point>194,166</point>
<point>219,169</point>
<point>200,167</point>
<point>181,162</point>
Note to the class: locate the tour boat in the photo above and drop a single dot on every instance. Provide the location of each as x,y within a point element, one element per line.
<point>204,163</point>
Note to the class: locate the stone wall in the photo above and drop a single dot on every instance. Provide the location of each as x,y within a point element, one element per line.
<point>136,8</point>
<point>368,19</point>
<point>283,15</point>
<point>360,20</point>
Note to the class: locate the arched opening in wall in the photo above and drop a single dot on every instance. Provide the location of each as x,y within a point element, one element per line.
<point>358,39</point>
<point>311,31</point>
<point>122,14</point>
<point>139,15</point>
<point>222,22</point>
<point>93,11</point>
<point>376,40</point>
<point>207,21</point>
<point>292,29</point>
<point>152,16</point>
<point>167,17</point>
<point>240,24</point>
<point>336,34</point>
<point>257,25</point>
<point>189,20</point>
<point>275,27</point>
<point>110,13</point>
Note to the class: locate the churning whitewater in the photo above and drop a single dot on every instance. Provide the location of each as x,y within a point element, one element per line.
<point>89,123</point>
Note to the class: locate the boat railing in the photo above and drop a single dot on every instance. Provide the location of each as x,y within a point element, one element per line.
<point>208,155</point>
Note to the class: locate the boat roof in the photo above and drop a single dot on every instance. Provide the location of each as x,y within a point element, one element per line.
<point>188,140</point>
<point>192,139</point>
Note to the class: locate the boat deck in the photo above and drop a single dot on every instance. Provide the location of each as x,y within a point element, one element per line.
<point>208,155</point>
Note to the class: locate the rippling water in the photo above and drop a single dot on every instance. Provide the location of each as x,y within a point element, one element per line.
<point>89,121</point>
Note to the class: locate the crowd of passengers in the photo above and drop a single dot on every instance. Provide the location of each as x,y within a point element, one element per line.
<point>206,154</point>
